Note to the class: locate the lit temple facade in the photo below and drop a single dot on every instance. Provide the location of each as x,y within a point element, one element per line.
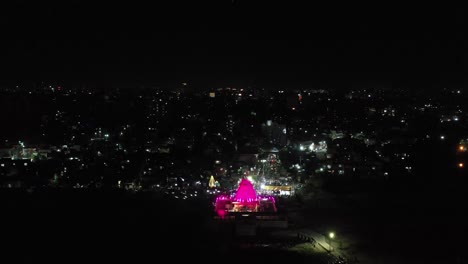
<point>244,200</point>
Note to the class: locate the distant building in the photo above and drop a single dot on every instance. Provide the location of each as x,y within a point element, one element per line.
<point>336,134</point>
<point>230,124</point>
<point>275,133</point>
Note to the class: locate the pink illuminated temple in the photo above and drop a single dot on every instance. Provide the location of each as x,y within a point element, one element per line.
<point>244,200</point>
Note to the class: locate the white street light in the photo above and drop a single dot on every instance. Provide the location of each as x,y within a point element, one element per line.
<point>331,235</point>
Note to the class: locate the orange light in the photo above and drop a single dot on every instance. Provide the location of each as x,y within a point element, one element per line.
<point>461,165</point>
<point>461,148</point>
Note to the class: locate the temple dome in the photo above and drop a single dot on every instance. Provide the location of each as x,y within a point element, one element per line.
<point>246,192</point>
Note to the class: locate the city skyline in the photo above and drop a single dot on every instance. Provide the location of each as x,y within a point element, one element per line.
<point>233,131</point>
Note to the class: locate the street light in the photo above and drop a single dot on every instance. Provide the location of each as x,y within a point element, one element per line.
<point>331,235</point>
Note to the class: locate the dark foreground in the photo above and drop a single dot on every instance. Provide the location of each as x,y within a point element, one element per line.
<point>74,226</point>
<point>109,226</point>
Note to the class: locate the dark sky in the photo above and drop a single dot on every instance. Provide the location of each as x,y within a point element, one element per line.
<point>231,42</point>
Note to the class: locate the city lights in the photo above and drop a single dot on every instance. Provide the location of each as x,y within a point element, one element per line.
<point>247,134</point>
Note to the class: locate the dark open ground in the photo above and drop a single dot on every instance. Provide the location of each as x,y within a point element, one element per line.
<point>76,226</point>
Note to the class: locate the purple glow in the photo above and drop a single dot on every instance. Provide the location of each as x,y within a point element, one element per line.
<point>267,198</point>
<point>246,192</point>
<point>222,213</point>
<point>222,198</point>
<point>245,200</point>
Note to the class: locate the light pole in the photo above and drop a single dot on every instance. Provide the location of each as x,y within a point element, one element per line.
<point>331,235</point>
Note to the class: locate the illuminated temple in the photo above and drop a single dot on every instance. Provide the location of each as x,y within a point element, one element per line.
<point>244,200</point>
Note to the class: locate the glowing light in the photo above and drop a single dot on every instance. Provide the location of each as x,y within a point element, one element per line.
<point>212,182</point>
<point>331,235</point>
<point>461,148</point>
<point>222,213</point>
<point>246,192</point>
<point>442,137</point>
<point>244,200</point>
<point>461,165</point>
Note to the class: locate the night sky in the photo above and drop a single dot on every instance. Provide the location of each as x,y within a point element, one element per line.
<point>232,42</point>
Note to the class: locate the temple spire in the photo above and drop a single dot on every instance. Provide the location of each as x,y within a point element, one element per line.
<point>246,192</point>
